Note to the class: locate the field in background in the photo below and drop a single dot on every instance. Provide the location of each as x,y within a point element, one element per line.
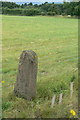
<point>55,40</point>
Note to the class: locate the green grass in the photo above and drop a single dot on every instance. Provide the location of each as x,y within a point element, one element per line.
<point>55,41</point>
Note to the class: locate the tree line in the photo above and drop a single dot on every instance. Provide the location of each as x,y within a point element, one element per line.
<point>51,9</point>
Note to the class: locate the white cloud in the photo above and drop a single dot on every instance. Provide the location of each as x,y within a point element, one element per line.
<point>34,0</point>
<point>40,0</point>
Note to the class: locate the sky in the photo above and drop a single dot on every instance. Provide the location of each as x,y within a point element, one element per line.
<point>36,0</point>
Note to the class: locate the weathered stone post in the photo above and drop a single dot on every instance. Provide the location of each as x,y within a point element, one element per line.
<point>27,74</point>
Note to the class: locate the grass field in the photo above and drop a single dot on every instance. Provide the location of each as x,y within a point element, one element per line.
<point>55,40</point>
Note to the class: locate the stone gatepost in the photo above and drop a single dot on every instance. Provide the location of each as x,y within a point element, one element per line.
<point>25,86</point>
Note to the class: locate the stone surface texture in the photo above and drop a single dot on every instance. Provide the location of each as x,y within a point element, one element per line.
<point>25,86</point>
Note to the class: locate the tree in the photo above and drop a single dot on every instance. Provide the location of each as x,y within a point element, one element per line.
<point>67,8</point>
<point>30,4</point>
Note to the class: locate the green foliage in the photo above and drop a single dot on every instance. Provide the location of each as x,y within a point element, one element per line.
<point>11,11</point>
<point>73,78</point>
<point>32,12</point>
<point>0,10</point>
<point>6,105</point>
<point>10,5</point>
<point>63,14</point>
<point>67,8</point>
<point>27,12</point>
<point>43,13</point>
<point>30,4</point>
<point>51,13</point>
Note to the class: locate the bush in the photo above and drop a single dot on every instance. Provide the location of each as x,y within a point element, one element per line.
<point>51,9</point>
<point>27,12</point>
<point>51,13</point>
<point>11,11</point>
<point>32,12</point>
<point>0,10</point>
<point>43,13</point>
<point>63,14</point>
